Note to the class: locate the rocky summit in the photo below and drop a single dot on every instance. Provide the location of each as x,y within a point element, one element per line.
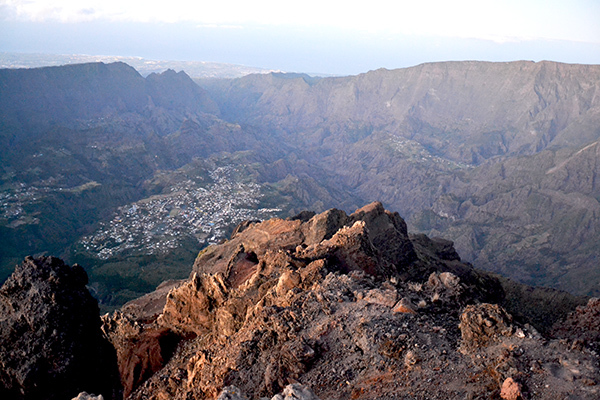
<point>317,306</point>
<point>337,306</point>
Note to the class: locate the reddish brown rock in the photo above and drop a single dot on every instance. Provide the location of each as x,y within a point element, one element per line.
<point>387,232</point>
<point>268,312</point>
<point>511,390</point>
<point>405,306</point>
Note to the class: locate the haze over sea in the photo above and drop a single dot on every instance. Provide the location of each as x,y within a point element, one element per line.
<point>328,37</point>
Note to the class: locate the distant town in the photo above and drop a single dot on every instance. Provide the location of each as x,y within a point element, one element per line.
<point>160,223</point>
<point>13,201</point>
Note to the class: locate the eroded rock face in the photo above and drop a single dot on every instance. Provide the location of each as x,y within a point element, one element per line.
<point>326,302</point>
<point>51,345</point>
<point>141,351</point>
<point>387,232</point>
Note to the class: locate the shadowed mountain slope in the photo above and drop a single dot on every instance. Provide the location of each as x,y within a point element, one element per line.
<point>81,145</point>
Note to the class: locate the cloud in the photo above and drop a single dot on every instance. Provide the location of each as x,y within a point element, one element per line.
<point>87,11</point>
<point>500,21</point>
<point>219,26</point>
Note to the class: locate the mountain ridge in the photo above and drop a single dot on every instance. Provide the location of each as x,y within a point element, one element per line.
<point>376,98</point>
<point>196,69</point>
<point>436,140</point>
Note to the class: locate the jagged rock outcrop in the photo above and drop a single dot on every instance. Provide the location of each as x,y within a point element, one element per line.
<point>51,346</point>
<point>329,303</point>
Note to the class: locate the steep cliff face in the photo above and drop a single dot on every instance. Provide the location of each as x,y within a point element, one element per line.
<point>465,111</point>
<point>327,301</point>
<point>534,218</point>
<point>51,346</point>
<point>501,157</point>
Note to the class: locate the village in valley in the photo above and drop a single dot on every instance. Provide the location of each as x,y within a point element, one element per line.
<point>160,223</point>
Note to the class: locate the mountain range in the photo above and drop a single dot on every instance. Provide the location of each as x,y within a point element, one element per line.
<point>501,158</point>
<point>185,206</point>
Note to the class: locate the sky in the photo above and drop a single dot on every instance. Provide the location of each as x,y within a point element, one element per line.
<point>313,36</point>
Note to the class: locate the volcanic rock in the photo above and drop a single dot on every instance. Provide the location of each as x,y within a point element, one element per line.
<point>289,301</point>
<point>140,352</point>
<point>484,323</point>
<point>405,306</point>
<point>582,326</point>
<point>51,345</point>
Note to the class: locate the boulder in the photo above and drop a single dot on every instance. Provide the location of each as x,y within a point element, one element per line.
<point>388,232</point>
<point>51,344</point>
<point>511,390</point>
<point>482,324</point>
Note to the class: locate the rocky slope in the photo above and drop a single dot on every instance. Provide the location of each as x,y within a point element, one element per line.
<point>533,218</point>
<point>349,306</point>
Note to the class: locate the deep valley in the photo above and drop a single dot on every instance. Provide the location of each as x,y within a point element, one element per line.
<point>115,171</point>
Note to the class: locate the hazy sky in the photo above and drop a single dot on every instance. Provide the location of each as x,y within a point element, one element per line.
<point>338,37</point>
